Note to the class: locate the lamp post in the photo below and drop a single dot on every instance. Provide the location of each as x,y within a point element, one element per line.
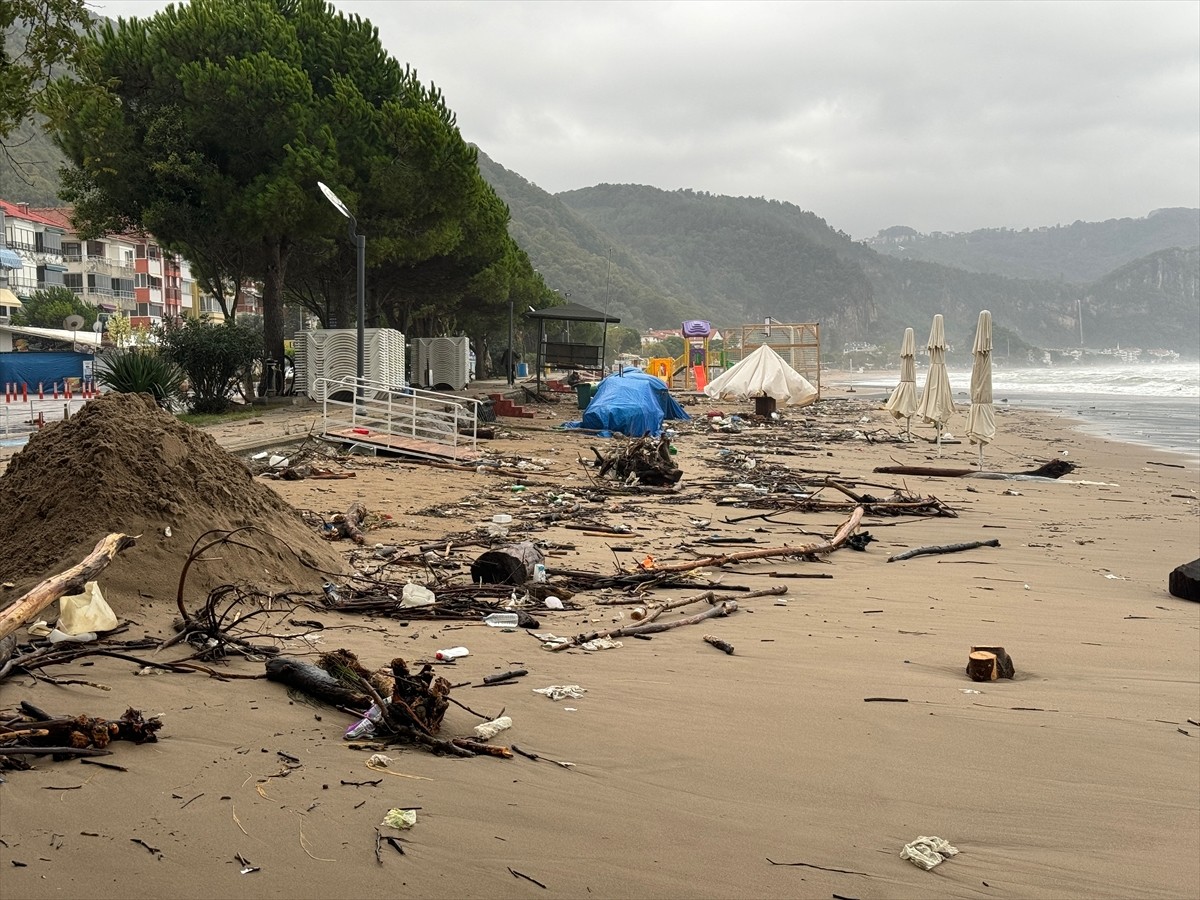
<point>509,361</point>
<point>360,242</point>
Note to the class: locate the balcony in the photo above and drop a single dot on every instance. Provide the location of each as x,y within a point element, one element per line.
<point>109,266</point>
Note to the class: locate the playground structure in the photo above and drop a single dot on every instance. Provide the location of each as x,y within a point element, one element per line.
<point>799,343</point>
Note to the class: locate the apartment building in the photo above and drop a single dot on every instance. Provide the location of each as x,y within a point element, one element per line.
<point>33,260</point>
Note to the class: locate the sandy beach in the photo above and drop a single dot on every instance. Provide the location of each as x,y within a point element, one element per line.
<point>766,773</point>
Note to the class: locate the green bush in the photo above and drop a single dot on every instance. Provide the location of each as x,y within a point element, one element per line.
<point>213,354</point>
<point>142,370</point>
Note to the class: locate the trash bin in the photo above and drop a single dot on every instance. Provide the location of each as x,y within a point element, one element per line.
<point>584,391</point>
<point>522,370</point>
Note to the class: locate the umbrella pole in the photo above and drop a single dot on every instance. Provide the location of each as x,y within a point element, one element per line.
<point>939,439</point>
<point>981,456</point>
<point>908,429</point>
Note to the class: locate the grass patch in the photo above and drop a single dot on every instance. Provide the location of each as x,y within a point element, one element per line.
<point>203,420</point>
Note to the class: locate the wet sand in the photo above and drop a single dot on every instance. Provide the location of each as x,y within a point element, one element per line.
<point>1079,778</point>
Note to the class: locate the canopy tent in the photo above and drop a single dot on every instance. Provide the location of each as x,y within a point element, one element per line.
<point>937,402</point>
<point>981,420</point>
<point>572,355</point>
<point>764,373</point>
<point>903,402</point>
<point>635,405</point>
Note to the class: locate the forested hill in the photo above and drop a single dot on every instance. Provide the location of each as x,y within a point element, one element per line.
<point>739,259</point>
<point>1080,253</point>
<point>576,258</point>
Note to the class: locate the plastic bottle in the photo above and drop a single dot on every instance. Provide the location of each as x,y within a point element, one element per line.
<point>452,653</point>
<point>501,620</point>
<point>539,573</point>
<point>365,727</point>
<point>517,488</point>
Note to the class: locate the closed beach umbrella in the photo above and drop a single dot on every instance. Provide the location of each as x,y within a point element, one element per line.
<point>981,421</point>
<point>903,402</point>
<point>937,404</point>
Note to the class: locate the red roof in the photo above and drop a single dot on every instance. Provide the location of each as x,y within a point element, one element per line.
<point>13,211</point>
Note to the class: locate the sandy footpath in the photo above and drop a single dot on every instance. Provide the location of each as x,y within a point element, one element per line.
<point>693,769</point>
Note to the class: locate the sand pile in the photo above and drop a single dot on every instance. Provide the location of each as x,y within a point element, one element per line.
<point>122,464</point>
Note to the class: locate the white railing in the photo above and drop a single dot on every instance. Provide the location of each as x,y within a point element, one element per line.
<point>445,419</point>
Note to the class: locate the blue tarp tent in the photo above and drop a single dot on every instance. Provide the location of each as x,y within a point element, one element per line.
<point>634,403</point>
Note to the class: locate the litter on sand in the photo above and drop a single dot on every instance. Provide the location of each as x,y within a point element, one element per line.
<point>928,852</point>
<point>561,691</point>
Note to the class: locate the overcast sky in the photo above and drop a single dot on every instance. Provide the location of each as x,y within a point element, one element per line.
<point>943,116</point>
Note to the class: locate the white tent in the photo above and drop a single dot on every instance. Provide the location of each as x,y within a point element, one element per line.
<point>981,420</point>
<point>763,373</point>
<point>903,402</point>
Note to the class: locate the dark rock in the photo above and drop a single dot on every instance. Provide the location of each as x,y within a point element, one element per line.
<point>1184,582</point>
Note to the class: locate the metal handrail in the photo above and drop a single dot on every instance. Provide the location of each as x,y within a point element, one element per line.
<point>406,411</point>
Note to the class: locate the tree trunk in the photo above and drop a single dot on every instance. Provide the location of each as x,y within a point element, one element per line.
<point>276,250</point>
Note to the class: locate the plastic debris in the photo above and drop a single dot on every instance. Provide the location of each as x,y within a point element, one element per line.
<point>927,852</point>
<point>85,612</point>
<point>550,641</point>
<point>553,603</point>
<point>488,730</point>
<point>561,691</point>
<point>601,644</point>
<point>400,818</point>
<point>416,595</point>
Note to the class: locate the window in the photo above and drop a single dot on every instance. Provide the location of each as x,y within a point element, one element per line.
<point>155,283</point>
<point>96,250</point>
<point>140,251</point>
<point>141,280</point>
<point>72,250</point>
<point>74,281</point>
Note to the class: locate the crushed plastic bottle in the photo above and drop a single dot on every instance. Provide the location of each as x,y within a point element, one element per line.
<point>452,653</point>
<point>365,727</point>
<point>501,620</point>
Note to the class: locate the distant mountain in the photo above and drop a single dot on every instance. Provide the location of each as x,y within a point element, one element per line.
<point>1133,306</point>
<point>1080,253</point>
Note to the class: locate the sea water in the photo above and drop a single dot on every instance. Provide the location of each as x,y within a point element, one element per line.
<point>1157,405</point>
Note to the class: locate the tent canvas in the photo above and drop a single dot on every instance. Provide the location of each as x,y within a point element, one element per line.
<point>634,403</point>
<point>764,373</point>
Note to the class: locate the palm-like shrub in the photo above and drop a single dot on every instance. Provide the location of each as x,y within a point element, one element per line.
<point>142,370</point>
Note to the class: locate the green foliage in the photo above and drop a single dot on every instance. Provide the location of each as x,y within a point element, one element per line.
<point>48,308</point>
<point>36,38</point>
<point>210,124</point>
<point>213,354</point>
<point>142,370</point>
<point>120,331</point>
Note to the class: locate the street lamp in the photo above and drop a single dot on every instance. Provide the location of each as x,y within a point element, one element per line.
<point>360,242</point>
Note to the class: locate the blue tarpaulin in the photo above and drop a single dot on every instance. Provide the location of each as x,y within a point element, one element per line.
<point>48,368</point>
<point>634,404</point>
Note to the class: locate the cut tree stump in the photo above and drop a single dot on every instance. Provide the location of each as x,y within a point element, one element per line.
<point>989,664</point>
<point>981,666</point>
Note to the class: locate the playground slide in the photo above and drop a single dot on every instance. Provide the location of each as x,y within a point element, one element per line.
<point>700,374</point>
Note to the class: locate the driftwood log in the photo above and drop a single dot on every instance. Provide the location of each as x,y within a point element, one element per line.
<point>35,732</point>
<point>723,646</point>
<point>69,582</point>
<point>349,524</point>
<point>645,461</point>
<point>943,548</point>
<point>314,681</point>
<point>1055,468</point>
